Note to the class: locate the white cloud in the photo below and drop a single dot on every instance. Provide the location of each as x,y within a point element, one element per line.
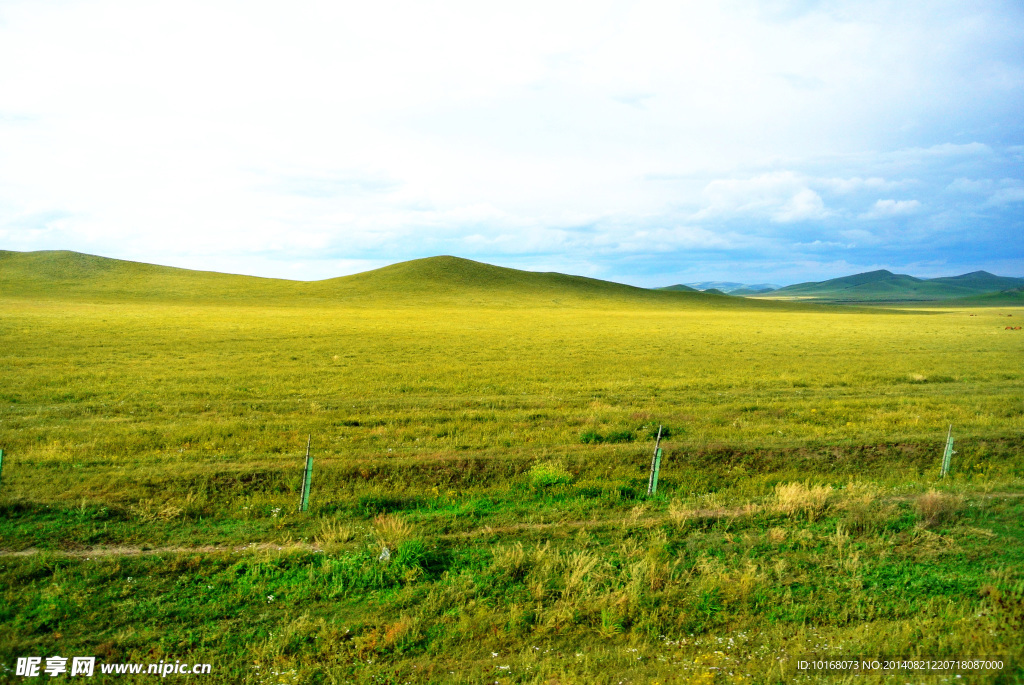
<point>844,186</point>
<point>782,197</point>
<point>889,208</point>
<point>966,185</point>
<point>944,150</point>
<point>1003,192</point>
<point>1008,194</point>
<point>822,245</point>
<point>804,205</point>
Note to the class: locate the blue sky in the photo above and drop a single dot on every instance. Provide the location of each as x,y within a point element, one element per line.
<point>647,143</point>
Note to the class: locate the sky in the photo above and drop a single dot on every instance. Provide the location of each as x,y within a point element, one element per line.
<point>648,143</point>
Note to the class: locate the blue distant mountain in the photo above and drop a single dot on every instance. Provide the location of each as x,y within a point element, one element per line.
<point>885,286</point>
<point>724,286</point>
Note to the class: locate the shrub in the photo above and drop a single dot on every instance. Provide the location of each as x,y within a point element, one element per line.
<point>591,437</point>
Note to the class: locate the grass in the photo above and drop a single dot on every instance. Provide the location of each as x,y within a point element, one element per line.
<point>154,442</point>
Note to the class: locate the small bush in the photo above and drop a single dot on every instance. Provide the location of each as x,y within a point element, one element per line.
<point>548,473</point>
<point>934,508</point>
<point>591,437</point>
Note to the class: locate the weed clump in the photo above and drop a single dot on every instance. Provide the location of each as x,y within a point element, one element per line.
<point>935,508</point>
<point>621,436</point>
<point>549,473</point>
<point>592,437</point>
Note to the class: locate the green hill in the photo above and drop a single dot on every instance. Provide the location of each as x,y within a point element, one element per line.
<point>441,280</point>
<point>1013,297</point>
<point>883,286</point>
<point>980,281</point>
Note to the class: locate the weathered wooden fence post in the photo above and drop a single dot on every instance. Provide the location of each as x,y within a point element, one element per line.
<point>652,480</point>
<point>947,456</point>
<point>307,477</point>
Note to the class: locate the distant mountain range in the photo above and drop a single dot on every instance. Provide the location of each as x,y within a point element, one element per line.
<point>727,287</point>
<point>885,286</point>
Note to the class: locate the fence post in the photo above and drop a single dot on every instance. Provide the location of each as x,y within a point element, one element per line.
<point>947,456</point>
<point>657,470</point>
<point>307,477</point>
<point>652,480</point>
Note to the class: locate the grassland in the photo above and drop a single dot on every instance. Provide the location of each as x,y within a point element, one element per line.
<point>494,433</point>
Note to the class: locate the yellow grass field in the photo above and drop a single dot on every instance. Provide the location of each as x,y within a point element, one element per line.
<point>497,446</point>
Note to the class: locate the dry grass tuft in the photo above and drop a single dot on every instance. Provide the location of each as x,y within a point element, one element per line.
<point>635,514</point>
<point>578,569</point>
<point>795,499</point>
<point>935,508</point>
<point>334,533</point>
<point>680,513</point>
<point>865,510</point>
<point>391,530</point>
<point>148,511</point>
<point>512,561</point>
